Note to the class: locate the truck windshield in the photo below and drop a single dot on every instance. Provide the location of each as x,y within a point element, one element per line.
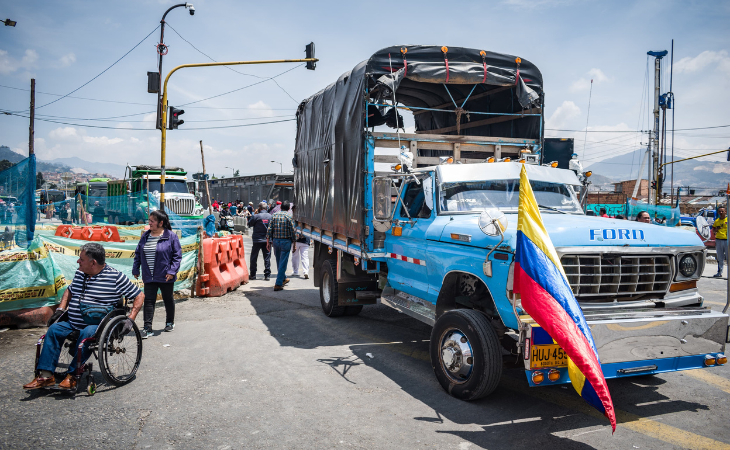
<point>170,186</point>
<point>475,196</point>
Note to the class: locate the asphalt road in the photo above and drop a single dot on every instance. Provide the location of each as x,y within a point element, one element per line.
<point>264,369</point>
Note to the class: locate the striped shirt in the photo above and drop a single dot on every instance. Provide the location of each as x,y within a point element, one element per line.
<point>150,250</point>
<point>105,288</point>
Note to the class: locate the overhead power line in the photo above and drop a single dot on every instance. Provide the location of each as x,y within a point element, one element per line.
<point>227,67</point>
<point>100,73</point>
<point>148,129</point>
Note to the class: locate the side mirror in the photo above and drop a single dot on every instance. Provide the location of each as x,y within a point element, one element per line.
<point>493,222</point>
<point>382,204</point>
<point>703,227</point>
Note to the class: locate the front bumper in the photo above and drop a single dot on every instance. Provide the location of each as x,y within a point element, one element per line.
<point>655,340</point>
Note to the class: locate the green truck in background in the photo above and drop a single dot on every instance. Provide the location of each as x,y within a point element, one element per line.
<point>128,199</point>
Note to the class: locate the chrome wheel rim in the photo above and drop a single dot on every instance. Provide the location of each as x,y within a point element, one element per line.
<point>456,355</point>
<point>326,288</point>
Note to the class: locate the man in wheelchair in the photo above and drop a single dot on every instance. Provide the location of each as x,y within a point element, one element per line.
<point>96,290</point>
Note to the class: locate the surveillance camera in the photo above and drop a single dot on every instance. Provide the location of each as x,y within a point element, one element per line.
<point>192,9</point>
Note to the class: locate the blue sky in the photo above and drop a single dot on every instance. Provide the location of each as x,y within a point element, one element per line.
<point>63,44</point>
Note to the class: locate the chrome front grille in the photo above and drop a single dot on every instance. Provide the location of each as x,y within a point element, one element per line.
<point>181,206</point>
<point>611,277</point>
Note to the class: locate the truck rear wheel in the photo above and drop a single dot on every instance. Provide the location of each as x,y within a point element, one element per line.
<point>328,291</point>
<point>465,354</point>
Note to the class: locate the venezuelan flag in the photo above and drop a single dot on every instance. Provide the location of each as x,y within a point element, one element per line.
<point>546,296</point>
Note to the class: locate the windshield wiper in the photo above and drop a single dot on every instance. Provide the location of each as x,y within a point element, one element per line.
<point>552,209</point>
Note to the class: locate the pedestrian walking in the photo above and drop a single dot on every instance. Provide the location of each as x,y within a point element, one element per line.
<point>281,234</point>
<point>259,222</point>
<point>66,214</point>
<point>720,227</point>
<point>158,254</point>
<point>300,254</point>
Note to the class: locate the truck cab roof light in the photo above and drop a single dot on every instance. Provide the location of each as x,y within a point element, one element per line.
<point>490,159</point>
<point>554,164</point>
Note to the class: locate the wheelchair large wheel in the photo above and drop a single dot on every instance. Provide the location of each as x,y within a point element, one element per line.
<point>65,358</point>
<point>119,355</point>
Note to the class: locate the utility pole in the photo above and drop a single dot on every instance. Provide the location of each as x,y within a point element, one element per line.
<point>31,138</point>
<point>654,138</point>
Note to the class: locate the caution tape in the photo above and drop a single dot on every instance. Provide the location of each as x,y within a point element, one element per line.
<point>7,295</point>
<point>113,254</point>
<point>24,255</point>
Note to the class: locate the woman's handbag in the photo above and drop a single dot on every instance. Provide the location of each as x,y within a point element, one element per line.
<point>92,313</point>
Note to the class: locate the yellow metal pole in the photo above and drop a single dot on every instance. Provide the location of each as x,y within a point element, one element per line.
<point>164,105</point>
<point>695,157</point>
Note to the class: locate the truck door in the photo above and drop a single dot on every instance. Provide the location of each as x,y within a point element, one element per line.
<point>407,253</point>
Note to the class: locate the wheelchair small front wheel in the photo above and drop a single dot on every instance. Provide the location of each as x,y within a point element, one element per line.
<point>119,355</point>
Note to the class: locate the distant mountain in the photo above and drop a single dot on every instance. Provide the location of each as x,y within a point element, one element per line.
<point>115,170</point>
<point>41,166</point>
<point>696,173</point>
<point>6,153</point>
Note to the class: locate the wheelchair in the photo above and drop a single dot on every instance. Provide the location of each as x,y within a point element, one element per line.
<point>118,355</point>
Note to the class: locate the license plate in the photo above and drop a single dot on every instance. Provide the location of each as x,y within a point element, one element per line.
<point>547,356</point>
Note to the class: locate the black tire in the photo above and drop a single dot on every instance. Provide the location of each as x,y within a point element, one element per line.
<point>328,291</point>
<point>460,376</point>
<point>119,357</point>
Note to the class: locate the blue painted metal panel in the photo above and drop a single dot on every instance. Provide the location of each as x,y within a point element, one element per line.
<point>368,186</point>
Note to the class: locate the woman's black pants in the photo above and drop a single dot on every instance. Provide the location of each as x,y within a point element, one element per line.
<point>150,297</point>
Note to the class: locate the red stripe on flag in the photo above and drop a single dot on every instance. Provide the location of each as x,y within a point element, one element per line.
<point>544,309</point>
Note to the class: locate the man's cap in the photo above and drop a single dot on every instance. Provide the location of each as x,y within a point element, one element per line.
<point>278,203</point>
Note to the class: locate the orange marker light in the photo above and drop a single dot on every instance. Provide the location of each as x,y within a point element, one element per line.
<point>554,164</point>
<point>518,60</point>
<point>483,53</point>
<point>554,375</point>
<point>538,377</point>
<point>721,359</point>
<point>397,231</point>
<point>507,159</point>
<point>445,49</point>
<point>490,159</point>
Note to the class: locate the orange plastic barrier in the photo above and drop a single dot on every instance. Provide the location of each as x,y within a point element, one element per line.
<point>91,233</point>
<point>224,266</point>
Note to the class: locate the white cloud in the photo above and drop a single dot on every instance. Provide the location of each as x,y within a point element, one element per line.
<point>262,108</point>
<point>583,84</point>
<point>8,64</point>
<point>708,58</point>
<point>67,60</point>
<point>64,134</point>
<point>563,115</point>
<point>101,140</point>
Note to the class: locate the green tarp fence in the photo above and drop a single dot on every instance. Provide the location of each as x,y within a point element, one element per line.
<point>39,274</point>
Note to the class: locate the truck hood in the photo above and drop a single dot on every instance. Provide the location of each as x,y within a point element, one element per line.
<point>572,231</point>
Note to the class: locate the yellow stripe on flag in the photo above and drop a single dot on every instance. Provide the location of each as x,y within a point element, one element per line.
<point>529,221</point>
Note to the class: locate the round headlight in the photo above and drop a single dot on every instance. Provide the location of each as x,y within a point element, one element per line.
<point>687,265</point>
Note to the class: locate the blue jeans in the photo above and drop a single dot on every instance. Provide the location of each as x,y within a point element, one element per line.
<point>282,248</point>
<point>52,346</point>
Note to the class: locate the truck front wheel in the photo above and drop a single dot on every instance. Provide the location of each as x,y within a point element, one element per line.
<point>465,354</point>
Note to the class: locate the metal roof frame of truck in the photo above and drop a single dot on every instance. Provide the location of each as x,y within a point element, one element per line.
<point>497,98</point>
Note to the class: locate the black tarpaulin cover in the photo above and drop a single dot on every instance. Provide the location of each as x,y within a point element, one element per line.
<point>330,143</point>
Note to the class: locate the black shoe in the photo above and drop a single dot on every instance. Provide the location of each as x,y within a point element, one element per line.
<point>146,333</point>
<point>266,278</point>
<point>169,326</point>
<point>252,277</point>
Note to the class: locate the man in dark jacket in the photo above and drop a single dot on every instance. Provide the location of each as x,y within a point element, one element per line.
<point>259,223</point>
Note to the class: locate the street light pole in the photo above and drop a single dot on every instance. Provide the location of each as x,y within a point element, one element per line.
<point>281,166</point>
<point>233,171</point>
<point>162,51</point>
<point>163,140</point>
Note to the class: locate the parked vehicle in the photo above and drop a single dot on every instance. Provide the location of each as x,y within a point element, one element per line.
<point>702,221</point>
<point>129,200</point>
<point>434,237</point>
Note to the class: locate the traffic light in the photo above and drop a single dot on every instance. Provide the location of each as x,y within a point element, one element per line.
<point>309,52</point>
<point>653,184</point>
<point>174,120</point>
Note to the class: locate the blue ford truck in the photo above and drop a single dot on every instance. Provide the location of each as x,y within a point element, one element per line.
<point>424,220</point>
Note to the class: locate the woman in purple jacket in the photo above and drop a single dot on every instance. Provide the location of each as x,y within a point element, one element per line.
<point>159,255</point>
